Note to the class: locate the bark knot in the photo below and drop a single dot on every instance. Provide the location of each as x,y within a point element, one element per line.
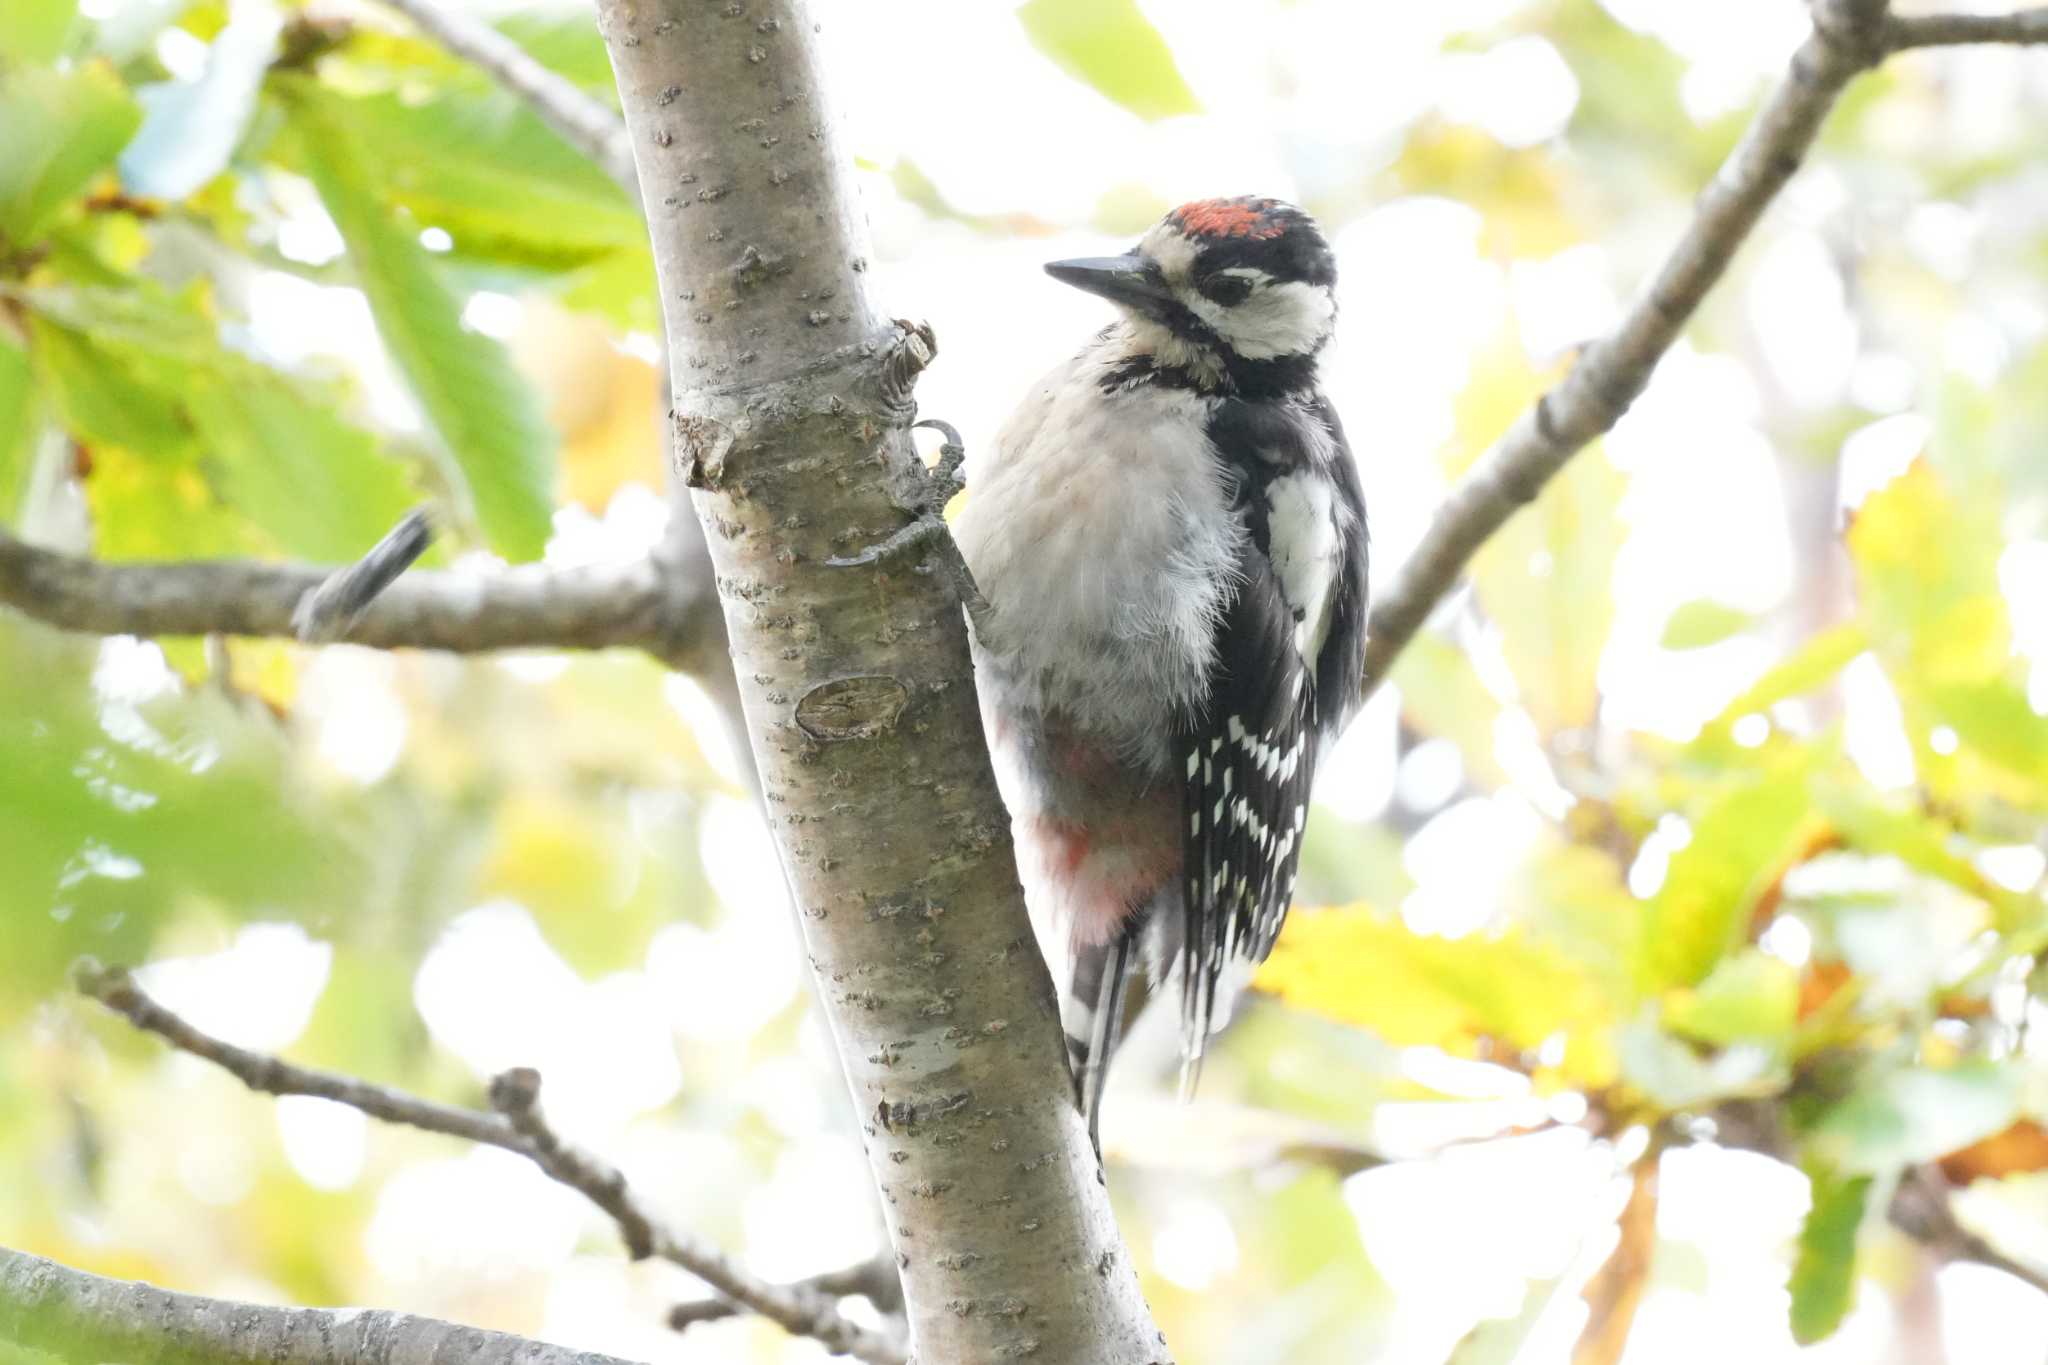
<point>859,707</point>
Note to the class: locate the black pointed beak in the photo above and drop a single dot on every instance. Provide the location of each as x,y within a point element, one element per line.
<point>1131,281</point>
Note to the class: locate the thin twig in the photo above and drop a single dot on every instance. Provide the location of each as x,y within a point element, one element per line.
<point>1921,1208</point>
<point>584,122</point>
<point>343,596</point>
<point>517,1126</point>
<point>1849,36</point>
<point>874,1279</point>
<point>527,606</point>
<point>1948,30</point>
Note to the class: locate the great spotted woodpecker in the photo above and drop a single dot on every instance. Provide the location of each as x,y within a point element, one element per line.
<point>1170,537</point>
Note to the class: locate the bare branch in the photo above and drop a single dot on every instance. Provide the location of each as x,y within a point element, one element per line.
<point>795,1308</point>
<point>1920,1207</point>
<point>1849,36</point>
<point>517,1126</point>
<point>874,1279</point>
<point>528,606</point>
<point>1616,1290</point>
<point>76,1316</point>
<point>115,988</point>
<point>584,123</point>
<point>1922,1210</point>
<point>1948,30</point>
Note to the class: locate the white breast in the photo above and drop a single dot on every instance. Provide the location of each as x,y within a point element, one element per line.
<point>1099,528</point>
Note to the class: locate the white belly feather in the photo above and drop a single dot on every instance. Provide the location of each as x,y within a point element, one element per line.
<point>1104,588</point>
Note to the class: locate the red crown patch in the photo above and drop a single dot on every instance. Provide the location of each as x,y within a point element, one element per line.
<point>1228,218</point>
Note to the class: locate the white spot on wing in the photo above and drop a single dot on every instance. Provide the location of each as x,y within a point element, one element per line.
<point>1305,545</point>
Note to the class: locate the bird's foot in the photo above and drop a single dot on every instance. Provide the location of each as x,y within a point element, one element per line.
<point>927,504</point>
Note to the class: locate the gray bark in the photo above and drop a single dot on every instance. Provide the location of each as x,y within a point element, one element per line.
<point>79,1317</point>
<point>791,422</point>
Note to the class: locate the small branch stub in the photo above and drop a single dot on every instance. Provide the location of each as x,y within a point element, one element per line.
<point>701,447</point>
<point>329,611</point>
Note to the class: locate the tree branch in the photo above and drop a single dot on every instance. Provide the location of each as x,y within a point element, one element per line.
<point>77,1316</point>
<point>1849,36</point>
<point>1921,1209</point>
<point>523,607</point>
<point>1948,30</point>
<point>583,122</point>
<point>517,1126</point>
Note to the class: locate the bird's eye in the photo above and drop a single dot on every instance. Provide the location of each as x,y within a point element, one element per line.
<point>1228,290</point>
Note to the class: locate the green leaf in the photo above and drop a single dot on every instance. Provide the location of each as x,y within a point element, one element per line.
<point>36,32</point>
<point>1704,622</point>
<point>1741,843</point>
<point>1546,580</point>
<point>1915,1114</point>
<point>99,400</point>
<point>1112,46</point>
<point>566,44</point>
<point>62,129</point>
<point>1813,663</point>
<point>1749,996</point>
<point>1926,556</point>
<point>114,817</point>
<point>1441,695</point>
<point>1824,1271</point>
<point>488,416</point>
<point>1995,719</point>
<point>19,428</point>
<point>501,183</point>
<point>198,449</point>
<point>320,486</point>
<point>619,288</point>
<point>1365,968</point>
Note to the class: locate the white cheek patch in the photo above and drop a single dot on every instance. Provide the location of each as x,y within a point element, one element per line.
<point>1281,319</point>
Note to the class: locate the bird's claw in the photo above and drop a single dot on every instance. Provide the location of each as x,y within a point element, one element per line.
<point>942,482</point>
<point>948,478</point>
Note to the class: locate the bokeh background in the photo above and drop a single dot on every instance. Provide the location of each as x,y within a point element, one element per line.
<point>1721,785</point>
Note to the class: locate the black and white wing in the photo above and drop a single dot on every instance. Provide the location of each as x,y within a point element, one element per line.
<point>1285,678</point>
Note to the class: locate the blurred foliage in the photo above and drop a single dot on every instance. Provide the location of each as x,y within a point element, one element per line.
<point>1690,930</point>
<point>1111,46</point>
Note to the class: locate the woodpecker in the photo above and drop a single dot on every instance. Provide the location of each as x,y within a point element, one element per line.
<point>1170,537</point>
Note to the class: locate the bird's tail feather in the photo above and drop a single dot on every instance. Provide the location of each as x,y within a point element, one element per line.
<point>1102,972</point>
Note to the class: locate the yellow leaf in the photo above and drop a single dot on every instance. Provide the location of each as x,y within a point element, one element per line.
<point>1521,191</point>
<point>1360,966</point>
<point>549,855</point>
<point>1927,566</point>
<point>602,400</point>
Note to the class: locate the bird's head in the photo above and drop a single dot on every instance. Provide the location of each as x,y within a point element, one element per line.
<point>1236,290</point>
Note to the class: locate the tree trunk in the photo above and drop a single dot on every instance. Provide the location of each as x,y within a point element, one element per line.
<point>791,423</point>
